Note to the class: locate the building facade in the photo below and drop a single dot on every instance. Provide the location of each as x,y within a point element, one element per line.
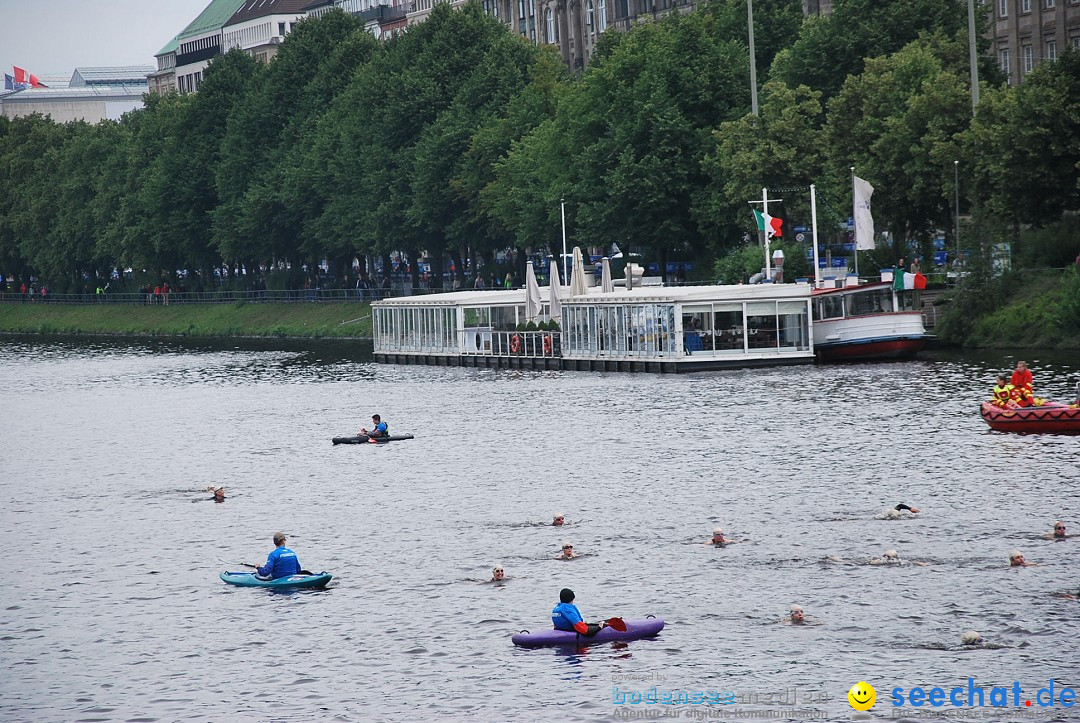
<point>1024,33</point>
<point>200,42</point>
<point>91,95</point>
<point>163,80</point>
<point>259,26</point>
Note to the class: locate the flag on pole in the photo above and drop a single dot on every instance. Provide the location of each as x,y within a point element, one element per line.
<point>26,78</point>
<point>864,222</point>
<point>9,82</point>
<point>769,224</point>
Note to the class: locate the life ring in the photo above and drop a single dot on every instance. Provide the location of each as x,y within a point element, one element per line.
<point>547,343</point>
<point>515,343</point>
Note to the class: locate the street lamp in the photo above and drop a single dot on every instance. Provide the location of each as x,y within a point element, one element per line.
<point>753,61</point>
<point>956,210</point>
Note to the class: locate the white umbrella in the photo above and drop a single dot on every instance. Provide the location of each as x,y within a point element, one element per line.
<point>555,302</point>
<point>606,284</point>
<point>577,276</point>
<point>532,294</point>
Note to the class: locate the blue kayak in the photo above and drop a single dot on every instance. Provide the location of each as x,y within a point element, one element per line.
<point>292,582</point>
<point>635,629</point>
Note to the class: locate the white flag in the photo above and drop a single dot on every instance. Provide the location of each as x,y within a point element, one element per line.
<point>864,222</point>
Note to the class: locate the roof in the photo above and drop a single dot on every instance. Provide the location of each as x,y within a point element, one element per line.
<point>647,294</point>
<point>261,8</point>
<point>317,4</point>
<point>170,47</point>
<point>111,75</point>
<point>78,92</point>
<point>213,17</point>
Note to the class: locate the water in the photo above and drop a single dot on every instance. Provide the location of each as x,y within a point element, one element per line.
<point>113,609</point>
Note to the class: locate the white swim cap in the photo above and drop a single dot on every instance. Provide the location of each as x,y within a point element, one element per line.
<point>970,637</point>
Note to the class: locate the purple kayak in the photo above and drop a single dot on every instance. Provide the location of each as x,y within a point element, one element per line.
<point>635,629</point>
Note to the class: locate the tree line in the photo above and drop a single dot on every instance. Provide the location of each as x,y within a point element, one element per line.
<point>459,138</point>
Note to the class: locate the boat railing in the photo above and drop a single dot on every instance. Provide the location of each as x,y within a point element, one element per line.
<point>536,344</point>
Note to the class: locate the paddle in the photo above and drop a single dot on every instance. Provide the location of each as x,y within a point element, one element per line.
<point>616,623</point>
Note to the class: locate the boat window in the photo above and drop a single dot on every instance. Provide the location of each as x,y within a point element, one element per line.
<point>477,316</point>
<point>761,327</point>
<point>794,325</point>
<point>829,307</point>
<point>865,303</point>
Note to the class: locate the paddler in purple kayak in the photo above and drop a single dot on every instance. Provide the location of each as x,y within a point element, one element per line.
<point>567,617</point>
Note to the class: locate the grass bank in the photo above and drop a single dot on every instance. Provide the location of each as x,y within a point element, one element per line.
<point>348,319</point>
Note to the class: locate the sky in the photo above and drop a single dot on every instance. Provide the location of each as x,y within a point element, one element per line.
<point>53,37</point>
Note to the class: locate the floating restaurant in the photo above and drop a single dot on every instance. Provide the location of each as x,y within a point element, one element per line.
<point>646,329</point>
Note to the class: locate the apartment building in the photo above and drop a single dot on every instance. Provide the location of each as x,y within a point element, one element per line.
<point>1024,33</point>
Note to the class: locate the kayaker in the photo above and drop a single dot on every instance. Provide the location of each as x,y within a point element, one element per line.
<point>282,562</point>
<point>567,551</point>
<point>379,428</point>
<point>559,521</point>
<point>566,616</point>
<point>896,513</point>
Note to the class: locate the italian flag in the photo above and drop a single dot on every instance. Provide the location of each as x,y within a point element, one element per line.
<point>769,224</point>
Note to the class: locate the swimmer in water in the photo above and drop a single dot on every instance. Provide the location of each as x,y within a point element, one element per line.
<point>971,637</point>
<point>559,521</point>
<point>219,493</point>
<point>1058,533</point>
<point>796,616</point>
<point>892,557</point>
<point>567,552</point>
<point>718,538</point>
<point>498,574</point>
<point>895,513</point>
<point>1016,559</point>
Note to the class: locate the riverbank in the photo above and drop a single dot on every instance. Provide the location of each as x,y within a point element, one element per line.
<point>343,320</point>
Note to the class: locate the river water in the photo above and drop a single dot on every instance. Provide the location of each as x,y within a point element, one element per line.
<point>113,610</point>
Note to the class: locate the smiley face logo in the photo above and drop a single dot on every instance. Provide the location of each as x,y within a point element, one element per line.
<point>862,696</point>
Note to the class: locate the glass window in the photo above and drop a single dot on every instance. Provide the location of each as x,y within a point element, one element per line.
<point>761,328</point>
<point>1029,59</point>
<point>1025,6</point>
<point>829,307</point>
<point>1003,8</point>
<point>601,13</point>
<point>794,325</point>
<point>1050,3</point>
<point>1051,50</point>
<point>866,303</point>
<point>1003,57</point>
<point>728,330</point>
<point>590,20</point>
<point>549,21</point>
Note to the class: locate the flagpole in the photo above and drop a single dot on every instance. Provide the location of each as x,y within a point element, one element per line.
<point>813,229</point>
<point>562,206</point>
<point>853,223</point>
<point>765,210</point>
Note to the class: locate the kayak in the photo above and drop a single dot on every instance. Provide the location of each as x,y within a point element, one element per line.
<point>363,438</point>
<point>292,582</point>
<point>635,630</point>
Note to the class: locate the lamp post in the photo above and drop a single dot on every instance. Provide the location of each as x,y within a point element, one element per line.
<point>753,62</point>
<point>562,207</point>
<point>956,209</point>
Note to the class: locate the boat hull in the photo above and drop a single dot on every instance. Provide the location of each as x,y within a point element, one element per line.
<point>871,349</point>
<point>635,630</point>
<point>291,582</point>
<point>1051,418</point>
<point>363,439</point>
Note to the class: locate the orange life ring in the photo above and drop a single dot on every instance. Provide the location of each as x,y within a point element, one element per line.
<point>547,343</point>
<point>515,343</point>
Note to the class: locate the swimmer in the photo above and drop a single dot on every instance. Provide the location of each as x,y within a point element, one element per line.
<point>559,521</point>
<point>895,513</point>
<point>892,557</point>
<point>796,616</point>
<point>1058,533</point>
<point>718,538</point>
<point>1016,559</point>
<point>971,637</point>
<point>219,493</point>
<point>498,574</point>
<point>567,552</point>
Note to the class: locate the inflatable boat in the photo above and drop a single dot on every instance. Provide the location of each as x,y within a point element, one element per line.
<point>635,630</point>
<point>363,439</point>
<point>1050,418</point>
<point>291,582</point>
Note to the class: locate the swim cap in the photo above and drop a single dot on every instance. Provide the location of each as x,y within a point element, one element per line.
<point>970,637</point>
<point>566,595</point>
<point>717,531</point>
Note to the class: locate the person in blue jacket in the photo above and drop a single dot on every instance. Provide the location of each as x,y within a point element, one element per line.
<point>566,616</point>
<point>379,428</point>
<point>282,562</point>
